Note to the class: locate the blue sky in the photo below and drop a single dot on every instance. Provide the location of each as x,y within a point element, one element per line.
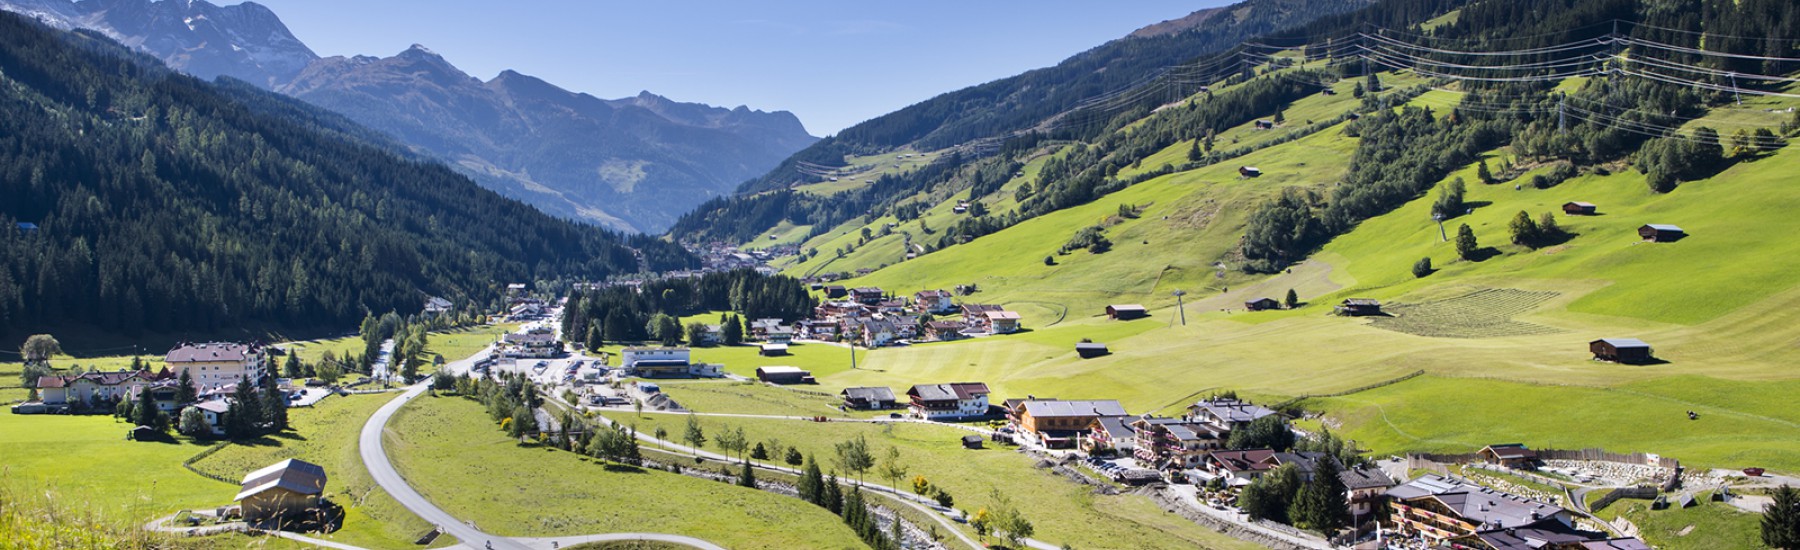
<point>833,63</point>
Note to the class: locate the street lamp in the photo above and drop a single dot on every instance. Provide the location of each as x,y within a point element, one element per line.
<point>1181,305</point>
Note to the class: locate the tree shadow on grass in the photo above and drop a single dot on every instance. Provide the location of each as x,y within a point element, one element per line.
<point>1483,254</point>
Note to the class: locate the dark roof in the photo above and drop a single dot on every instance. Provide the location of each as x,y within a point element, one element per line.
<point>1528,538</point>
<point>971,439</point>
<point>1508,451</point>
<point>1663,227</point>
<point>294,475</point>
<point>876,393</point>
<point>1616,544</point>
<point>946,325</point>
<point>1365,478</point>
<point>1115,426</point>
<point>981,308</point>
<point>211,351</point>
<point>1232,410</point>
<point>1476,504</point>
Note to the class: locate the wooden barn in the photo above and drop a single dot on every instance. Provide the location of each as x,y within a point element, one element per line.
<point>1359,307</point>
<point>1261,304</point>
<point>1580,208</point>
<point>1126,312</point>
<point>1661,233</point>
<point>1249,171</point>
<point>1621,350</point>
<point>282,490</point>
<point>784,375</point>
<point>1090,350</point>
<point>1511,455</point>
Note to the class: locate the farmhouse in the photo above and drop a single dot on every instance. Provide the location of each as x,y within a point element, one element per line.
<point>217,363</point>
<point>1511,455</point>
<point>934,301</point>
<point>1261,304</point>
<point>1226,413</point>
<point>1359,307</point>
<point>1621,350</point>
<point>1090,350</point>
<point>91,390</point>
<point>773,350</point>
<point>1440,509</point>
<point>945,330</point>
<point>1580,208</point>
<point>1003,322</point>
<point>1368,486</point>
<point>784,375</point>
<point>283,490</point>
<point>878,332</point>
<point>869,398</point>
<point>867,295</point>
<point>835,291</point>
<point>759,328</point>
<point>213,411</point>
<point>1175,443</point>
<point>436,306</point>
<point>1249,171</point>
<point>949,401</point>
<point>1126,312</point>
<point>1242,466</point>
<point>779,335</point>
<point>1057,423</point>
<point>1661,233</point>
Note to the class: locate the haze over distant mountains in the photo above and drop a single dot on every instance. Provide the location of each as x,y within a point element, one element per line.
<point>632,164</point>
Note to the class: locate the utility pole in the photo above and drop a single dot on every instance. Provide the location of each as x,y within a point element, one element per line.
<point>1181,306</point>
<point>1439,218</point>
<point>1562,118</point>
<point>1734,89</point>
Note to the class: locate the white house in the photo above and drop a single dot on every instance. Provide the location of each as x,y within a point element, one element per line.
<point>666,362</point>
<point>217,363</point>
<point>935,301</point>
<point>214,411</point>
<point>949,401</point>
<point>91,388</point>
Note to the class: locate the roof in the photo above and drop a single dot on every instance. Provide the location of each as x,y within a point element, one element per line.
<point>996,315</point>
<point>294,475</point>
<point>1358,302</point>
<point>946,392</point>
<point>1052,408</point>
<point>1616,544</point>
<point>1261,300</point>
<point>211,351</point>
<point>780,370</point>
<point>867,290</point>
<point>1580,204</point>
<point>1623,342</point>
<point>1662,227</point>
<point>1243,460</point>
<point>1509,451</point>
<point>947,325</point>
<point>215,406</point>
<point>1528,539</point>
<point>1365,478</point>
<point>649,349</point>
<point>1127,307</point>
<point>772,347</point>
<point>875,393</point>
<point>980,308</point>
<point>1115,426</point>
<point>1479,505</point>
<point>1232,410</point>
<point>1090,345</point>
<point>971,438</point>
<point>100,378</point>
<point>932,294</point>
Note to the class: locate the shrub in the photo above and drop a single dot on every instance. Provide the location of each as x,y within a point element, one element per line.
<point>1422,267</point>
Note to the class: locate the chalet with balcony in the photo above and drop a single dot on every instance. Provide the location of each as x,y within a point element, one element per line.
<point>955,401</point>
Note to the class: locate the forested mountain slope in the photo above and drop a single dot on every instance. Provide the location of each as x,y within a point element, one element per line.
<point>160,201</point>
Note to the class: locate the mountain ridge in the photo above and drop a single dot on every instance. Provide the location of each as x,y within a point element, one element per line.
<point>660,157</point>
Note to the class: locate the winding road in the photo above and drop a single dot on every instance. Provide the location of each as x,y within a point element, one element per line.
<point>375,458</point>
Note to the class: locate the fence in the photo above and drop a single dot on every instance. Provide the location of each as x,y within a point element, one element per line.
<point>1291,402</point>
<point>189,463</point>
<point>1603,455</point>
<point>1640,492</point>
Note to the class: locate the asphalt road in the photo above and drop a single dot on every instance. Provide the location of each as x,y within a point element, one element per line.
<point>375,458</point>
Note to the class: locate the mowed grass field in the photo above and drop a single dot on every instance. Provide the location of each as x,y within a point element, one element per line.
<point>1719,306</point>
<point>1062,511</point>
<point>86,463</point>
<point>441,444</point>
<point>326,434</point>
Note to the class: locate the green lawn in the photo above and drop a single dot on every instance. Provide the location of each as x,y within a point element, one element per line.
<point>326,435</point>
<point>751,398</point>
<point>442,444</point>
<point>461,343</point>
<point>86,463</point>
<point>1062,511</point>
<point>1462,414</point>
<point>1708,525</point>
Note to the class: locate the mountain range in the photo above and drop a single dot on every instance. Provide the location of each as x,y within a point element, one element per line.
<point>632,164</point>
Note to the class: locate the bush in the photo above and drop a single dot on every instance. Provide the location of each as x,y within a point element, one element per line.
<point>1422,267</point>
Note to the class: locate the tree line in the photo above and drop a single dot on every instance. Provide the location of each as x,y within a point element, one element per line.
<point>163,201</point>
<point>646,313</point>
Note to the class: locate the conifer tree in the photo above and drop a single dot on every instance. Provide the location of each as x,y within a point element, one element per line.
<point>1465,242</point>
<point>1781,520</point>
<point>834,494</point>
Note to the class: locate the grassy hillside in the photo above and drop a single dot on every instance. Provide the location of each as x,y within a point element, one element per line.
<point>1515,324</point>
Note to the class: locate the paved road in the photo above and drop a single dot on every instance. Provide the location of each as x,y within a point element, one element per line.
<point>375,458</point>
